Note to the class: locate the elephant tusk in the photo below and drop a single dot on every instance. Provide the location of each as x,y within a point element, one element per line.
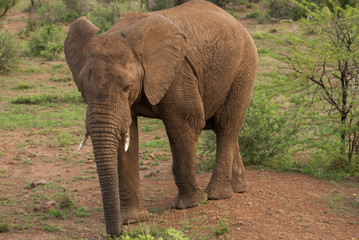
<point>83,141</point>
<point>127,140</point>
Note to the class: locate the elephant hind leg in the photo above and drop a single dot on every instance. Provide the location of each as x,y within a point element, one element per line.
<point>238,181</point>
<point>228,172</point>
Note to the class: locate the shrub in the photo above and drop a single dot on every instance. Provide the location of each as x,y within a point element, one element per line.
<point>324,56</point>
<point>267,133</point>
<point>10,51</point>
<point>284,9</point>
<point>105,15</point>
<point>5,6</point>
<point>54,12</point>
<point>48,41</point>
<point>4,227</point>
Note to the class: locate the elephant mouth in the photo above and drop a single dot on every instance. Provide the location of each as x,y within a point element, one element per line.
<point>126,140</point>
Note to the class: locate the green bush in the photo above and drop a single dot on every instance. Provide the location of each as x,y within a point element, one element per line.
<point>324,56</point>
<point>48,41</point>
<point>268,133</point>
<point>105,15</point>
<point>54,12</point>
<point>284,9</point>
<point>10,51</point>
<point>293,9</point>
<point>4,227</point>
<point>5,6</point>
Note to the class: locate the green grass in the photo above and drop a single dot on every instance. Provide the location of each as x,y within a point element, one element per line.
<point>33,70</point>
<point>156,143</point>
<point>82,212</point>
<point>153,232</point>
<point>65,200</point>
<point>62,139</point>
<point>150,125</point>
<point>4,227</point>
<point>221,228</point>
<point>60,79</point>
<point>4,200</point>
<point>51,228</point>
<point>83,178</point>
<point>53,213</point>
<point>41,116</point>
<point>73,98</point>
<point>23,86</point>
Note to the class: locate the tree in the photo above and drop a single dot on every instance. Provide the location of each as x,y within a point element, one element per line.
<point>5,6</point>
<point>325,55</point>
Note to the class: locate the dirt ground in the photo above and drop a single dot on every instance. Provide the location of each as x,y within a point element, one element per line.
<point>276,206</point>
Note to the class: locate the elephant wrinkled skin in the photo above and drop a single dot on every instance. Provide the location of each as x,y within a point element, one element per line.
<point>193,66</point>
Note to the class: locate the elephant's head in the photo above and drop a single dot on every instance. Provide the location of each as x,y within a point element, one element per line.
<point>140,54</point>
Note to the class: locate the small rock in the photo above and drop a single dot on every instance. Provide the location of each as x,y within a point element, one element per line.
<point>152,174</point>
<point>41,182</point>
<point>48,205</point>
<point>36,183</point>
<point>334,192</point>
<point>12,162</point>
<point>37,208</point>
<point>143,167</point>
<point>32,155</point>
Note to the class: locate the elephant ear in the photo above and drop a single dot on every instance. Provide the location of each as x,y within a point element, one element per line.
<point>80,32</point>
<point>162,51</point>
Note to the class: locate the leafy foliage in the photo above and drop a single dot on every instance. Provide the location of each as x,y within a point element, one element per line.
<point>4,227</point>
<point>284,9</point>
<point>10,51</point>
<point>325,57</point>
<point>48,41</point>
<point>150,232</point>
<point>268,132</point>
<point>5,6</point>
<point>105,15</point>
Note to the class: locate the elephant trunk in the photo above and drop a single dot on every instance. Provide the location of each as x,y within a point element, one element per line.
<point>105,131</point>
<point>105,146</point>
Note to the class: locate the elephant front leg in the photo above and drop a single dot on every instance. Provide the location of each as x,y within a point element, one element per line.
<point>220,186</point>
<point>129,181</point>
<point>183,146</point>
<point>238,181</point>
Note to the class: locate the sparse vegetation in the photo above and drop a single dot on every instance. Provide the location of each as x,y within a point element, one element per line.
<point>4,227</point>
<point>288,127</point>
<point>10,50</point>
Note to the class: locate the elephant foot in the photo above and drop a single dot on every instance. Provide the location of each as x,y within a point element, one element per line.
<point>189,200</point>
<point>239,184</point>
<point>134,215</point>
<point>219,191</point>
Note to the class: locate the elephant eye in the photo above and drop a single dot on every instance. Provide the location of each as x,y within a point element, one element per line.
<point>127,88</point>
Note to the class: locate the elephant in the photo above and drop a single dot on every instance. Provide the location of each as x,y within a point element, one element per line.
<point>192,66</point>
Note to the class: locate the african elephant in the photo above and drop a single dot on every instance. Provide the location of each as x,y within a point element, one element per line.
<point>193,67</point>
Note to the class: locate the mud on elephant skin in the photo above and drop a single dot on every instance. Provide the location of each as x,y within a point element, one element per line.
<point>193,66</point>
